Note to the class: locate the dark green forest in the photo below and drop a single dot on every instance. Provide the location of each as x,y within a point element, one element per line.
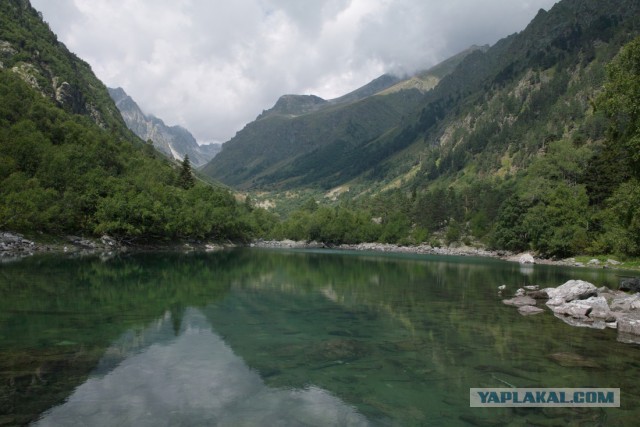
<point>60,173</point>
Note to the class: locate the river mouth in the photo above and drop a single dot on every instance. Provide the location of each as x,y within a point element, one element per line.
<point>275,337</point>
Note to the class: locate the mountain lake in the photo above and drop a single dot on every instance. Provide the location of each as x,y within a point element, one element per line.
<point>259,337</point>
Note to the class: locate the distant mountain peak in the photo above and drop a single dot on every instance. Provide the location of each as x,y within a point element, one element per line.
<point>174,141</point>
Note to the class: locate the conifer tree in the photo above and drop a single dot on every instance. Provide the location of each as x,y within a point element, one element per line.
<point>185,179</point>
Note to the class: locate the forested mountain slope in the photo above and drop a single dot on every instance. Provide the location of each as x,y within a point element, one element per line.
<point>531,145</point>
<point>308,141</point>
<point>68,164</point>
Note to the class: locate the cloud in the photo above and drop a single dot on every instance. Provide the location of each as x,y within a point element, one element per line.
<point>213,66</point>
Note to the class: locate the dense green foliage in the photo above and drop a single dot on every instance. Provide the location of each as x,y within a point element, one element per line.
<point>61,173</point>
<point>69,165</point>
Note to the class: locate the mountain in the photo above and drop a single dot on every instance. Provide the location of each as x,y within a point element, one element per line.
<point>489,106</point>
<point>529,145</point>
<point>70,166</point>
<point>173,141</point>
<point>32,52</point>
<point>305,140</point>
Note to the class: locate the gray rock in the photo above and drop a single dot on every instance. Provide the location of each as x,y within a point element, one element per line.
<point>529,310</point>
<point>11,243</point>
<point>538,294</point>
<point>520,293</point>
<point>599,308</point>
<point>571,290</point>
<point>630,285</point>
<point>586,322</point>
<point>526,259</point>
<point>520,301</point>
<point>594,262</point>
<point>592,308</point>
<point>625,303</point>
<point>575,309</point>
<point>109,241</point>
<point>64,94</point>
<point>628,338</point>
<point>532,287</point>
<point>629,325</point>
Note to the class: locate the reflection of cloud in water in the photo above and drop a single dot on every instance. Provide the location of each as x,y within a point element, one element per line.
<point>195,379</point>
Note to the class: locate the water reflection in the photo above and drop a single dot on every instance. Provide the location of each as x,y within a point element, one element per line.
<point>192,379</point>
<point>255,336</point>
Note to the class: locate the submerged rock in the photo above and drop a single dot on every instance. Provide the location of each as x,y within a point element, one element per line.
<point>520,301</point>
<point>573,360</point>
<point>529,310</point>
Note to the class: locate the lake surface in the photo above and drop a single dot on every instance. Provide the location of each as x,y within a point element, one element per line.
<point>252,337</point>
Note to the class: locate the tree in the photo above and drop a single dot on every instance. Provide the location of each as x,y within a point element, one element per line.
<point>620,101</point>
<point>185,178</point>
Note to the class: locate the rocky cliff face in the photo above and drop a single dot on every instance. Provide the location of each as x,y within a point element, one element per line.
<point>49,68</point>
<point>174,141</point>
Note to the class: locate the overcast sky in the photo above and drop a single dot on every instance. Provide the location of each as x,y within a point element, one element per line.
<point>213,65</point>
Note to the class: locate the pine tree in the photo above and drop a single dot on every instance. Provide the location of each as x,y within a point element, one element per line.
<point>185,179</point>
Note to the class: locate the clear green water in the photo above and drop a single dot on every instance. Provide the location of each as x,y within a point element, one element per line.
<point>265,338</point>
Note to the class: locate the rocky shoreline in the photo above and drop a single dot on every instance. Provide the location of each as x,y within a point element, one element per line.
<point>15,246</point>
<point>576,302</point>
<point>424,249</point>
<point>383,247</point>
<point>582,304</point>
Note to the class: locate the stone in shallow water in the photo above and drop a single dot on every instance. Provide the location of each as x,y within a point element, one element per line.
<point>627,338</point>
<point>538,294</point>
<point>625,303</point>
<point>528,310</point>
<point>520,301</point>
<point>571,290</point>
<point>576,309</point>
<point>582,323</point>
<point>629,325</point>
